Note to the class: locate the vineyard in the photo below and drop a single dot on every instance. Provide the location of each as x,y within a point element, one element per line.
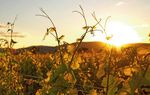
<point>28,73</point>
<point>73,69</point>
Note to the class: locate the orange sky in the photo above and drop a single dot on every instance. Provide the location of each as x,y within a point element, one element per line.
<point>134,13</point>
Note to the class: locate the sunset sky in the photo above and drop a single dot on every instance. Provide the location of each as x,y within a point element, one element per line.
<point>134,13</point>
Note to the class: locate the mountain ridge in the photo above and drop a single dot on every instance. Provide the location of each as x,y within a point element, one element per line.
<point>144,47</point>
<point>88,45</point>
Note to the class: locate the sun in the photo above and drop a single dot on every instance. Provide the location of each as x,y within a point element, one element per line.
<point>120,34</point>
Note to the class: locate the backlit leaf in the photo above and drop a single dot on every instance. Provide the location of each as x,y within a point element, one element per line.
<point>85,27</point>
<point>52,29</point>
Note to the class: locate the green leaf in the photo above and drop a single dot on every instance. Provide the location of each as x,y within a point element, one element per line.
<point>60,70</point>
<point>2,54</point>
<point>27,67</point>
<point>137,80</point>
<point>60,85</point>
<point>147,75</point>
<point>53,91</point>
<point>114,85</point>
<point>111,80</point>
<point>13,93</point>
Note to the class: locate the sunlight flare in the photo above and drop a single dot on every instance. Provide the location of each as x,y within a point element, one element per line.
<point>120,34</point>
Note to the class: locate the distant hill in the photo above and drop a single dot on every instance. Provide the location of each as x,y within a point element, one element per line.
<point>142,47</point>
<point>39,49</point>
<point>47,49</point>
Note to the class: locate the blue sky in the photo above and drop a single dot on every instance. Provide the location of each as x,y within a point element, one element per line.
<point>135,13</point>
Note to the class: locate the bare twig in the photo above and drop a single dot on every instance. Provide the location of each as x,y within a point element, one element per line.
<point>82,14</point>
<point>83,36</point>
<point>54,29</point>
<point>105,24</point>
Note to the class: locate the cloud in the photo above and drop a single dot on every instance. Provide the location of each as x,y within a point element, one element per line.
<point>120,3</point>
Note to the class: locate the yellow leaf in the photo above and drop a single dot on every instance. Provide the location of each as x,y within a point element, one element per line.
<point>93,92</point>
<point>47,79</point>
<point>37,93</point>
<point>48,76</point>
<point>94,28</point>
<point>108,37</point>
<point>70,48</point>
<point>75,65</point>
<point>129,71</point>
<point>101,71</point>
<point>68,77</point>
<point>51,29</point>
<point>48,73</point>
<point>73,91</point>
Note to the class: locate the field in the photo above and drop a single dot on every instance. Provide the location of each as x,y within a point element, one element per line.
<point>93,71</point>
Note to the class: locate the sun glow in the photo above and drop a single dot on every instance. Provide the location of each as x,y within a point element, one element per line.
<point>120,34</point>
